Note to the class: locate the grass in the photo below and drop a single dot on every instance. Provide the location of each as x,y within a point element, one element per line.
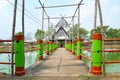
<point>81,77</point>
<point>112,56</point>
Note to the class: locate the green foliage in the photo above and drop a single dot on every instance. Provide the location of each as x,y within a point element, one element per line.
<point>74,31</point>
<point>50,31</point>
<point>38,34</point>
<point>98,30</point>
<point>108,32</point>
<point>19,33</point>
<point>113,33</point>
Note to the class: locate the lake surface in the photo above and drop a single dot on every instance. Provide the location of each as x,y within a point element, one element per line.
<point>109,68</point>
<point>31,58</point>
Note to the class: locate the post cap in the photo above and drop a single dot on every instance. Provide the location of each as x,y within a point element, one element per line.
<point>18,37</point>
<point>97,36</point>
<point>39,41</point>
<point>79,39</point>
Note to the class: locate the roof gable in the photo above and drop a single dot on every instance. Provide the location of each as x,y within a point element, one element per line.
<point>61,34</point>
<point>62,23</point>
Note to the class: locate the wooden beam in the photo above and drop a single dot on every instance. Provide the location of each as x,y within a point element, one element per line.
<point>111,50</point>
<point>86,57</point>
<point>6,63</point>
<point>5,40</point>
<point>69,5</point>
<point>112,62</point>
<point>59,17</point>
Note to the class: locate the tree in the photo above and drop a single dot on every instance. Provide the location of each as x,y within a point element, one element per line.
<point>108,32</point>
<point>74,31</point>
<point>98,30</point>
<point>113,33</point>
<point>19,33</point>
<point>38,34</point>
<point>49,33</point>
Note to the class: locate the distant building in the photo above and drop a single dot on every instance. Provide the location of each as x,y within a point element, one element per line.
<point>61,35</point>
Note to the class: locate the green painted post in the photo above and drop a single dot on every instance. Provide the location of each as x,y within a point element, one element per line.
<point>73,47</point>
<point>47,48</point>
<point>50,46</point>
<point>79,49</point>
<point>65,45</point>
<point>40,50</point>
<point>53,46</point>
<point>19,55</point>
<point>70,46</point>
<point>97,54</point>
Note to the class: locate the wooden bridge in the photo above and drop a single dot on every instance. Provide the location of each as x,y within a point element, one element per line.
<point>65,61</point>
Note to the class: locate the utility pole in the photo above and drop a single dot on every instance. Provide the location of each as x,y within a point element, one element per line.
<point>102,31</point>
<point>73,28</point>
<point>48,28</point>
<point>78,21</point>
<point>43,22</point>
<point>95,16</point>
<point>23,12</point>
<point>13,33</point>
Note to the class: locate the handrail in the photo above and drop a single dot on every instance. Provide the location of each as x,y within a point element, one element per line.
<point>5,40</point>
<point>112,51</point>
<point>5,52</point>
<point>112,39</point>
<point>6,63</point>
<point>86,57</point>
<point>111,62</point>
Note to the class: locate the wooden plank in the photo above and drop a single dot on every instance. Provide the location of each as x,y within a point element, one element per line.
<point>5,52</point>
<point>6,63</point>
<point>86,57</point>
<point>112,51</point>
<point>112,39</point>
<point>112,62</point>
<point>5,40</point>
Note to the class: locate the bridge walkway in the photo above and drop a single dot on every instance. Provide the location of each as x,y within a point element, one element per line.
<point>59,63</point>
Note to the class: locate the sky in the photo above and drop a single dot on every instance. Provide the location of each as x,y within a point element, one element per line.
<point>33,16</point>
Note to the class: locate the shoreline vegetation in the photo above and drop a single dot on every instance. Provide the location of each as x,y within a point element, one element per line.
<point>4,48</point>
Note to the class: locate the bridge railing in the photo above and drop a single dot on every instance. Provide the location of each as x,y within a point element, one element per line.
<point>111,51</point>
<point>40,47</point>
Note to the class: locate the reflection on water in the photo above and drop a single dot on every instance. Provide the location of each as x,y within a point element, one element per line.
<point>4,58</point>
<point>30,59</point>
<point>110,68</point>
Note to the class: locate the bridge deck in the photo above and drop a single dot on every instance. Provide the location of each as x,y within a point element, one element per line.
<point>59,63</point>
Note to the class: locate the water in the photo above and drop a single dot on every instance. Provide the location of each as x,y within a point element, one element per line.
<point>4,68</point>
<point>109,68</point>
<point>30,59</point>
